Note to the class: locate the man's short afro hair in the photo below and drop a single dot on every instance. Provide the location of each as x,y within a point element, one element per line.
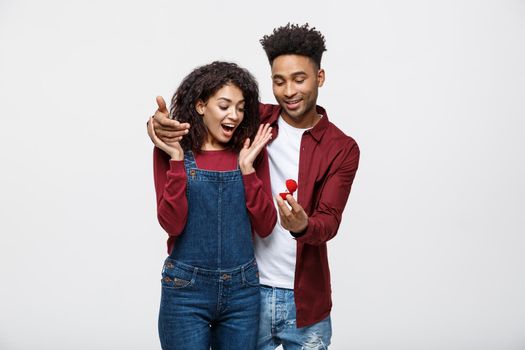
<point>293,39</point>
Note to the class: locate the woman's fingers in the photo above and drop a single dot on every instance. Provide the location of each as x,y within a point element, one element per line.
<point>151,132</point>
<point>263,136</point>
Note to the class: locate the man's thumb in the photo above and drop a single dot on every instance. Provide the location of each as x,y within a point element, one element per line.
<point>162,104</point>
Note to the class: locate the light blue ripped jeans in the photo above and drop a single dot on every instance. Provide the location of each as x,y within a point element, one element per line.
<point>277,324</point>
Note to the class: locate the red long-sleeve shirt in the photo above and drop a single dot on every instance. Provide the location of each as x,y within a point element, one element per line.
<point>170,186</point>
<point>328,163</point>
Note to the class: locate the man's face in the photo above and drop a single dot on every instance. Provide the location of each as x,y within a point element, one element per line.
<point>296,80</point>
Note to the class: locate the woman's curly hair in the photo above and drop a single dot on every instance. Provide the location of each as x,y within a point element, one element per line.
<point>201,84</point>
<point>293,39</point>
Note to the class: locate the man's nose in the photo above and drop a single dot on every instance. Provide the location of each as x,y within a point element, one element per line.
<point>289,90</point>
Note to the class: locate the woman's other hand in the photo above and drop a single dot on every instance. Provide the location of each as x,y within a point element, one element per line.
<point>251,150</point>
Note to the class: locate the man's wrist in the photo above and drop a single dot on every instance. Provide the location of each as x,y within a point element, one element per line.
<point>297,234</point>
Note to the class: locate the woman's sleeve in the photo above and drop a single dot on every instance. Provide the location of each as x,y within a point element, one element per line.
<point>259,203</point>
<point>170,187</point>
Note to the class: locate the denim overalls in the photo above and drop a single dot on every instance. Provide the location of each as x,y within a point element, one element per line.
<point>210,282</point>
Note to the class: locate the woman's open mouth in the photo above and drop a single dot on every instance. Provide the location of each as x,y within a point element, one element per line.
<point>228,128</point>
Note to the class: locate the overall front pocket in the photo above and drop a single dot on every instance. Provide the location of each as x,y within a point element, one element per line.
<point>175,277</point>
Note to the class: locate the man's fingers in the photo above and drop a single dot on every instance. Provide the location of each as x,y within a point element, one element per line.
<point>282,216</point>
<point>161,115</point>
<point>167,123</point>
<point>166,134</point>
<point>164,125</point>
<point>283,208</point>
<point>163,120</point>
<point>296,207</point>
<point>162,104</point>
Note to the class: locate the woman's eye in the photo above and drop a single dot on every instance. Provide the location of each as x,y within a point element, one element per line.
<point>224,108</point>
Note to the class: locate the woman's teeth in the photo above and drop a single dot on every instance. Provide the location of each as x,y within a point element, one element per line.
<point>228,127</point>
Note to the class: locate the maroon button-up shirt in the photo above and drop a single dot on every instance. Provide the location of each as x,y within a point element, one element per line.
<point>328,163</point>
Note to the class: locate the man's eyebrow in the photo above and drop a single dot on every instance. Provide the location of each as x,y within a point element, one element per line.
<point>298,73</point>
<point>294,74</point>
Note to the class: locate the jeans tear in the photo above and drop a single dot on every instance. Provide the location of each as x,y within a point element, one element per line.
<point>177,282</point>
<point>314,342</point>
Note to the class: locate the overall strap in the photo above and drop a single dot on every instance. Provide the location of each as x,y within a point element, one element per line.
<point>189,160</point>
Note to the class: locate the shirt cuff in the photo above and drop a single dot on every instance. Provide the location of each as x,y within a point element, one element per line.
<point>250,180</point>
<point>297,235</point>
<point>177,166</point>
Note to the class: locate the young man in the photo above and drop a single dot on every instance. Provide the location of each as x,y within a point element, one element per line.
<point>306,147</point>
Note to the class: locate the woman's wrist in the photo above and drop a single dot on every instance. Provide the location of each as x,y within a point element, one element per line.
<point>246,169</point>
<point>176,156</point>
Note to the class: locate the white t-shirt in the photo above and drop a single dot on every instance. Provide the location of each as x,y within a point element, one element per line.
<point>276,253</point>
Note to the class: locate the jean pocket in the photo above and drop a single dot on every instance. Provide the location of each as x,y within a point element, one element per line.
<point>250,277</point>
<point>176,278</point>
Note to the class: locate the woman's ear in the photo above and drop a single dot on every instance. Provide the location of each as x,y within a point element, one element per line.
<point>199,107</point>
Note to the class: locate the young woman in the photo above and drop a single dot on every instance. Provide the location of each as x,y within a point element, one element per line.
<point>210,201</point>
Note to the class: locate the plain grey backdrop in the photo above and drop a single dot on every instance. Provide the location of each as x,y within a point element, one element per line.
<point>430,253</point>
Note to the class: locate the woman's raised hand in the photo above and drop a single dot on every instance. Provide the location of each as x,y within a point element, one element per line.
<point>251,150</point>
<point>172,147</point>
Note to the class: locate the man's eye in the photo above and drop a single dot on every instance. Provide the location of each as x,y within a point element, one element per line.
<point>300,81</point>
<point>278,82</point>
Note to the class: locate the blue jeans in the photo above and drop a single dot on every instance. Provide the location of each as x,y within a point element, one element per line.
<point>277,324</point>
<point>202,308</point>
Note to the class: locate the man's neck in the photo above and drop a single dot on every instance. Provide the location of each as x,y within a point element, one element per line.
<point>306,121</point>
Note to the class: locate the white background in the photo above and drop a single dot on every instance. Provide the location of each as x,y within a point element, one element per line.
<point>430,254</point>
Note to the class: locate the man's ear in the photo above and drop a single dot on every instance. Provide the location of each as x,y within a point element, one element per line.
<point>320,77</point>
<point>199,107</point>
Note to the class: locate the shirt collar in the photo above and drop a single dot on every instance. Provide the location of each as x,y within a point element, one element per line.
<point>318,130</point>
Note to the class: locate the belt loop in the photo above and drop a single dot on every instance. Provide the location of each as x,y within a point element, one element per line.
<point>194,276</point>
<point>243,277</point>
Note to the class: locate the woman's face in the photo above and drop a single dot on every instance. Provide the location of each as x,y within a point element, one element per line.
<point>222,114</point>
